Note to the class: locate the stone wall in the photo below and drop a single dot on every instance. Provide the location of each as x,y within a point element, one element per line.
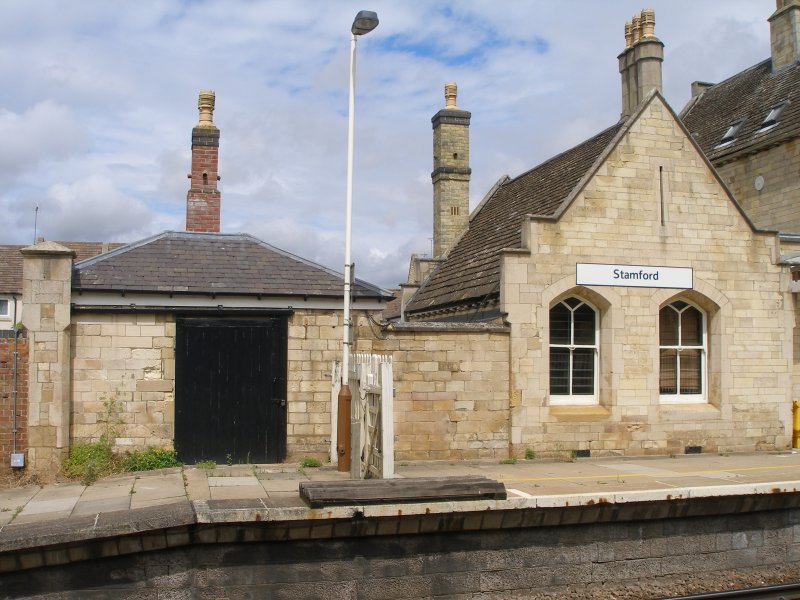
<point>451,391</point>
<point>616,219</point>
<point>123,379</point>
<point>638,559</point>
<point>775,205</point>
<point>315,342</point>
<point>124,376</point>
<point>46,294</point>
<point>7,396</point>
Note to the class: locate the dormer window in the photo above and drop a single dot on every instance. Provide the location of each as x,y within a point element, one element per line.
<point>773,117</point>
<point>732,132</point>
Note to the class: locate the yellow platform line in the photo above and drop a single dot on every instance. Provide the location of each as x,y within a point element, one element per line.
<point>622,475</point>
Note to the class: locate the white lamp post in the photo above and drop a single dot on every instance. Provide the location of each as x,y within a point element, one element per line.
<point>365,21</point>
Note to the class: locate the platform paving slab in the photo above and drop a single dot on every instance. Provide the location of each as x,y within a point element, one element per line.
<point>196,483</point>
<point>233,481</point>
<point>237,492</point>
<point>282,485</point>
<point>151,489</point>
<point>101,505</point>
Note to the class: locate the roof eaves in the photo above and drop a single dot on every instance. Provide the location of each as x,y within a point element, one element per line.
<point>756,146</point>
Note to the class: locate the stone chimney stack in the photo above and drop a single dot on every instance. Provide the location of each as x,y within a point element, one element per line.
<point>451,173</point>
<point>640,62</point>
<point>784,29</point>
<point>203,199</point>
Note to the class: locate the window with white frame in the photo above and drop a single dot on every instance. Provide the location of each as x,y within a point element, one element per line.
<point>573,353</point>
<point>5,307</point>
<point>682,350</point>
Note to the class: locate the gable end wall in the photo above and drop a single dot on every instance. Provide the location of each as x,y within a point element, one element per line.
<point>616,219</point>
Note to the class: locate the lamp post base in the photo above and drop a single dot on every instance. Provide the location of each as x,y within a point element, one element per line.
<point>343,428</point>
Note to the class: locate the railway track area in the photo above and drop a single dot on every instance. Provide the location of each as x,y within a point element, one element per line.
<point>782,591</point>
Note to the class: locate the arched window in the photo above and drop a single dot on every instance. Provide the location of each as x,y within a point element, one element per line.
<point>682,350</point>
<point>573,353</point>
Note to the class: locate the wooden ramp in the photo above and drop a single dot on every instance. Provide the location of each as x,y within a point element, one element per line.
<point>318,494</point>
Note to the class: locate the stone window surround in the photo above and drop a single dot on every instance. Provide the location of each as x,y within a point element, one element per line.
<point>607,319</point>
<point>678,397</point>
<point>611,318</point>
<point>587,399</point>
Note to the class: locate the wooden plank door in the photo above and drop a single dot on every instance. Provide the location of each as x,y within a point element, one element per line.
<point>230,390</point>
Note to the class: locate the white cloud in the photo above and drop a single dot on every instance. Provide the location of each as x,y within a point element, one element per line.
<point>98,103</point>
<point>76,211</point>
<point>46,131</point>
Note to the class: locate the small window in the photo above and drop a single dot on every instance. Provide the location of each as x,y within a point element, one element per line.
<point>573,353</point>
<point>732,132</point>
<point>454,211</point>
<point>774,115</point>
<point>682,349</point>
<point>5,307</point>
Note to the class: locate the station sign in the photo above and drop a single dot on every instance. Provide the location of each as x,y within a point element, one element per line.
<point>634,276</point>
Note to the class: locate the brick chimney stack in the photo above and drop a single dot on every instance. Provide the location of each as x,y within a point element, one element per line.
<point>784,30</point>
<point>640,62</point>
<point>203,199</point>
<point>451,173</point>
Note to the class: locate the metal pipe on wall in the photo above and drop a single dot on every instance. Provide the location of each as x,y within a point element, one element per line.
<point>14,382</point>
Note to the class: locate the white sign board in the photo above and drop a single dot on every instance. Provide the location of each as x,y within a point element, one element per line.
<point>634,276</point>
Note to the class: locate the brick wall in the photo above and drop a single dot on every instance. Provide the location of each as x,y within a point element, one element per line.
<point>7,396</point>
<point>203,199</point>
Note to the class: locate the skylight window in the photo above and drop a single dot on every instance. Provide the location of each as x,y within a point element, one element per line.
<point>773,116</point>
<point>732,132</point>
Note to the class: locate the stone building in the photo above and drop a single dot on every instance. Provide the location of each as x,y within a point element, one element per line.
<point>217,344</point>
<point>749,125</point>
<point>636,305</point>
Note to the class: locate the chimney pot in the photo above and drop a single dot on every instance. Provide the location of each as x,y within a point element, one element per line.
<point>637,29</point>
<point>628,34</point>
<point>450,94</point>
<point>648,20</point>
<point>205,104</point>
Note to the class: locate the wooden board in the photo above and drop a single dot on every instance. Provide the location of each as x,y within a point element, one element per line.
<point>318,494</point>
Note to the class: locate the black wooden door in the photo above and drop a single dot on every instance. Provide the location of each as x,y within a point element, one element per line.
<point>230,390</point>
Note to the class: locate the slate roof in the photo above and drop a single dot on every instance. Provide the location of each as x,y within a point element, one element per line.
<point>211,263</point>
<point>471,272</point>
<point>11,261</point>
<point>749,95</point>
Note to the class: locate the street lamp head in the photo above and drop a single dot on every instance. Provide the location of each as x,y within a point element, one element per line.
<point>365,21</point>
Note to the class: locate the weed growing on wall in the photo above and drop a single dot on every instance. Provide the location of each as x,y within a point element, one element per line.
<point>89,461</point>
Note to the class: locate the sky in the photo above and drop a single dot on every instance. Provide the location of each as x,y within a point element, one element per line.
<point>98,100</point>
